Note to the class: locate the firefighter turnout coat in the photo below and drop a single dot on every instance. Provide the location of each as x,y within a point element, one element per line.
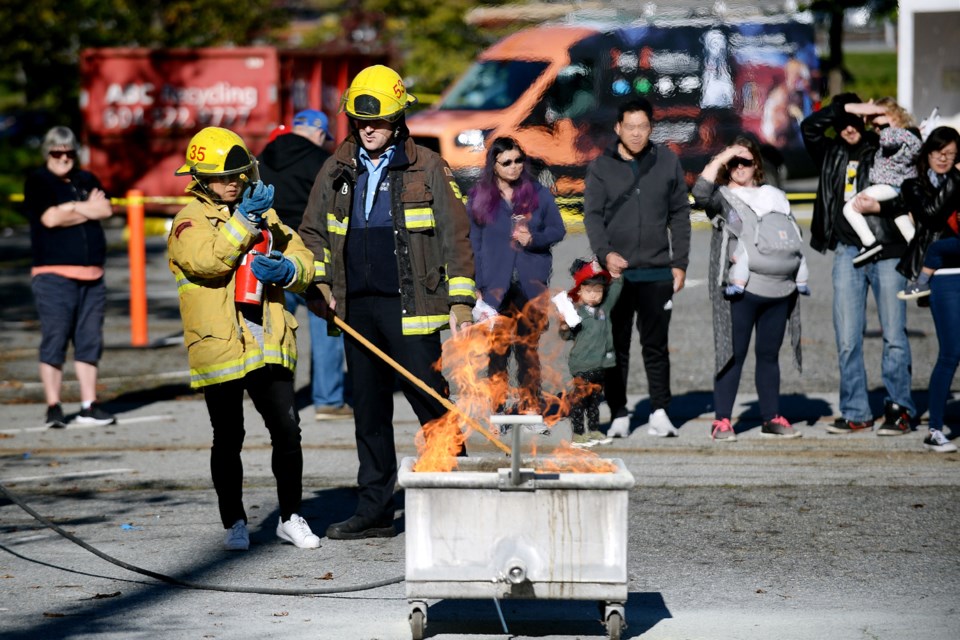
<point>205,246</point>
<point>431,233</point>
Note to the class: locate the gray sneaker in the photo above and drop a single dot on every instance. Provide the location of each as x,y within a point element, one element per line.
<point>582,441</point>
<point>779,427</point>
<point>599,437</point>
<point>237,538</point>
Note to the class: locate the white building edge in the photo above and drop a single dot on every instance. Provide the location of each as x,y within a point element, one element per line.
<point>928,66</point>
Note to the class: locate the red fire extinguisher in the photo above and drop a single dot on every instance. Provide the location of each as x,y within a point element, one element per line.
<point>249,290</point>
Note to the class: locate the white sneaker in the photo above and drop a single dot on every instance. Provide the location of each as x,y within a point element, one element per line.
<point>938,442</point>
<point>297,531</point>
<point>237,538</point>
<point>620,427</point>
<point>661,426</point>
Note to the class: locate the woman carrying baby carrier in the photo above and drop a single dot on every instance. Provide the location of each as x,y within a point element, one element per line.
<point>756,270</point>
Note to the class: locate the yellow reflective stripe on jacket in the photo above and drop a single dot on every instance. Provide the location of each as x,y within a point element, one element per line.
<point>338,227</point>
<point>320,268</point>
<point>235,232</point>
<point>236,369</point>
<point>225,371</point>
<point>419,218</point>
<point>184,284</point>
<point>422,325</point>
<point>462,287</point>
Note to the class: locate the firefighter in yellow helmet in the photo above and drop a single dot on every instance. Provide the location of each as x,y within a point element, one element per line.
<point>389,231</point>
<point>239,337</point>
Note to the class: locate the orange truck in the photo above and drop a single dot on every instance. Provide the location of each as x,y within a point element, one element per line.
<point>140,107</point>
<point>556,90</point>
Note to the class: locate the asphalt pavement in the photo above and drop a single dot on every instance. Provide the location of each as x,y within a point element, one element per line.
<point>820,537</point>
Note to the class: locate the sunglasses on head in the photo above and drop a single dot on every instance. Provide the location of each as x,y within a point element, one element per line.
<point>60,154</point>
<point>739,162</point>
<point>511,162</point>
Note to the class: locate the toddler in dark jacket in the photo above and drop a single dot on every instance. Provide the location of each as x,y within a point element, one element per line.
<point>586,321</point>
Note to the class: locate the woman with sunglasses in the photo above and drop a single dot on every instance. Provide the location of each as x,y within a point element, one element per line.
<point>514,223</point>
<point>65,206</point>
<point>759,295</point>
<point>933,258</point>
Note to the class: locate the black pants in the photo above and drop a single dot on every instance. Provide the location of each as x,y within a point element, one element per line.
<point>525,347</point>
<point>769,316</point>
<point>589,404</point>
<point>271,389</point>
<point>378,320</point>
<point>646,301</point>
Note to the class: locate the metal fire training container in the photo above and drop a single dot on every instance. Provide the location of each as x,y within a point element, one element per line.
<point>488,532</point>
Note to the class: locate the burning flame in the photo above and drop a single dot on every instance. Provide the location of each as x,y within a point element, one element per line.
<point>464,364</point>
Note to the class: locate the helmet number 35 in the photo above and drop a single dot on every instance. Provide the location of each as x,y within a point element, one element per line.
<point>197,153</point>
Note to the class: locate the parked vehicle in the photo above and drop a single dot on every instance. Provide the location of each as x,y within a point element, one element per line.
<point>556,90</point>
<point>141,106</point>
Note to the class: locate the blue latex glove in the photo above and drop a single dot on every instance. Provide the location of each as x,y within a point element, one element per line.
<point>256,201</point>
<point>733,290</point>
<point>273,269</point>
<point>803,289</point>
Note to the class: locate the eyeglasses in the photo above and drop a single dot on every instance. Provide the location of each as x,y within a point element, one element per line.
<point>60,154</point>
<point>739,162</point>
<point>509,163</point>
<point>940,155</point>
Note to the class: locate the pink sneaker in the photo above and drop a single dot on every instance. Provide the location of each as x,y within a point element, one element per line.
<point>722,430</point>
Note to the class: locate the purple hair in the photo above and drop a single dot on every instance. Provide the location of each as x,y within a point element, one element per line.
<point>485,195</point>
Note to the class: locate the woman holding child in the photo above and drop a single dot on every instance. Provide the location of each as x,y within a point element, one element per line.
<point>750,291</point>
<point>932,262</point>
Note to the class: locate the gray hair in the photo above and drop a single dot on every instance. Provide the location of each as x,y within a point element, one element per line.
<point>59,137</point>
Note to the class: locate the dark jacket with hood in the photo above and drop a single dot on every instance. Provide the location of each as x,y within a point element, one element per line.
<point>291,164</point>
<point>828,226</point>
<point>651,227</point>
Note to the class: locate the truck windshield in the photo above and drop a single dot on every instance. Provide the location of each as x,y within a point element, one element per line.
<point>493,84</point>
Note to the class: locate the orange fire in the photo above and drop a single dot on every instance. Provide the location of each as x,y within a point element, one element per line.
<point>464,363</point>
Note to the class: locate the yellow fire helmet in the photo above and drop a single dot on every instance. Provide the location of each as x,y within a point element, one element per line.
<point>215,151</point>
<point>376,93</point>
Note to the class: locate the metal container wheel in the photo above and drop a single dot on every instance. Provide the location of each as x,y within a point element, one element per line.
<point>418,620</point>
<point>613,618</point>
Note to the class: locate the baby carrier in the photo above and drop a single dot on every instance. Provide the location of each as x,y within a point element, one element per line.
<point>773,242</point>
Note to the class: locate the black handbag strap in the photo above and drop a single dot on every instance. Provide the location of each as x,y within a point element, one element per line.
<point>645,164</point>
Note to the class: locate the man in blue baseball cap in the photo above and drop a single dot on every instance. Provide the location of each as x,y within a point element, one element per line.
<point>291,164</point>
<point>316,121</point>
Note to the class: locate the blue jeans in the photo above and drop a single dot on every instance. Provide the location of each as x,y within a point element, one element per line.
<point>945,306</point>
<point>850,286</point>
<point>326,358</point>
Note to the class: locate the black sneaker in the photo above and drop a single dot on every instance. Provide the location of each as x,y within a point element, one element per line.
<point>842,425</point>
<point>95,416</point>
<point>55,419</point>
<point>896,421</point>
<point>868,254</point>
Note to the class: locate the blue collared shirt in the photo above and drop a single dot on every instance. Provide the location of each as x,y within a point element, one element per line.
<point>376,173</point>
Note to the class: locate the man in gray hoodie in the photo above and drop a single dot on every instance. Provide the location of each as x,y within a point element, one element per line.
<point>637,215</point>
